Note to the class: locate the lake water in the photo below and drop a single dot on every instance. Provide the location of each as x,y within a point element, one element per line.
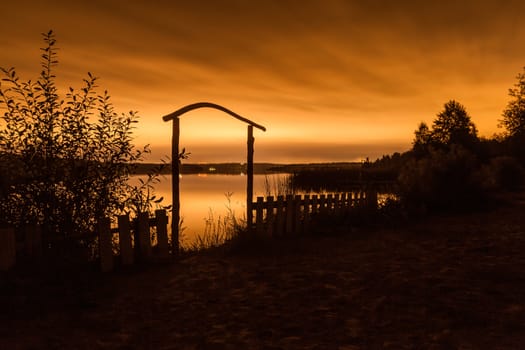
<point>203,197</point>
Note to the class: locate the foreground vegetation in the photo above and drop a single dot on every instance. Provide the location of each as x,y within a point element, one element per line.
<point>447,282</point>
<point>449,167</point>
<point>65,162</point>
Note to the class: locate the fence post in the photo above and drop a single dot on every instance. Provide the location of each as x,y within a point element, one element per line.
<point>7,248</point>
<point>329,203</point>
<point>162,233</point>
<point>259,216</point>
<point>306,213</point>
<point>355,199</point>
<point>297,214</point>
<point>322,204</point>
<point>270,217</point>
<point>337,204</point>
<point>371,199</point>
<point>347,202</point>
<point>279,220</point>
<point>342,203</point>
<point>144,239</point>
<point>289,214</point>
<point>124,238</point>
<point>105,247</point>
<point>33,241</point>
<point>315,204</point>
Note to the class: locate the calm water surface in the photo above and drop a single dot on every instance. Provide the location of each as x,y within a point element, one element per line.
<point>203,196</point>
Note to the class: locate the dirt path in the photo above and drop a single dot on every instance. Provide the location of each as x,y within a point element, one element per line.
<point>448,283</point>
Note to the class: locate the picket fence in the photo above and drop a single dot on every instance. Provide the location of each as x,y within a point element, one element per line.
<point>273,216</point>
<point>136,243</point>
<point>293,214</point>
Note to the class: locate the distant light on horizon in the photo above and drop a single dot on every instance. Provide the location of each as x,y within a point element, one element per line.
<point>284,153</point>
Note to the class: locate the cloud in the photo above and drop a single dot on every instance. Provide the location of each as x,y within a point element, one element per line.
<point>356,65</point>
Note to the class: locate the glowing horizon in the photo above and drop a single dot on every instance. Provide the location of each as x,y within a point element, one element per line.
<point>332,81</point>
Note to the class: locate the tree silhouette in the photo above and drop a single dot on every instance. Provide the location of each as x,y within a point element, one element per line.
<point>422,139</point>
<point>514,114</point>
<point>454,126</point>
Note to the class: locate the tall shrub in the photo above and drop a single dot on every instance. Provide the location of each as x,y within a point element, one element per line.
<point>65,162</point>
<point>444,180</point>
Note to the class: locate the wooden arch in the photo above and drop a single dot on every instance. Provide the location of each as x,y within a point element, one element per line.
<point>175,171</point>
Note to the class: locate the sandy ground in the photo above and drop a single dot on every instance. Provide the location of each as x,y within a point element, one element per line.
<point>446,283</point>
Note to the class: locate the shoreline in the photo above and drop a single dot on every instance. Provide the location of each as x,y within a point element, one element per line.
<point>230,168</point>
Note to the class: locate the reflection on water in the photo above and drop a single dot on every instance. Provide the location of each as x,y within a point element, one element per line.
<point>202,194</point>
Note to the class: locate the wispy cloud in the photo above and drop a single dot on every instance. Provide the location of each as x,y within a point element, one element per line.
<point>335,67</point>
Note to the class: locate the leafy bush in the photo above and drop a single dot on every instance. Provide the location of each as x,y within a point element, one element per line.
<point>503,173</point>
<point>64,162</point>
<point>444,180</point>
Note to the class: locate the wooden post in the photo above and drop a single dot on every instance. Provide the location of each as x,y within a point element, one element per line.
<point>270,218</point>
<point>259,216</point>
<point>342,203</point>
<point>315,204</point>
<point>162,233</point>
<point>144,238</point>
<point>175,189</point>
<point>289,214</point>
<point>249,182</point>
<point>337,204</point>
<point>297,214</point>
<point>7,248</point>
<point>279,219</point>
<point>124,238</point>
<point>322,204</point>
<point>105,245</point>
<point>306,213</point>
<point>33,241</point>
<point>371,199</point>
<point>329,204</point>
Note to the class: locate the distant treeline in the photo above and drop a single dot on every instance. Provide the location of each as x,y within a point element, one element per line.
<point>238,168</point>
<point>343,178</point>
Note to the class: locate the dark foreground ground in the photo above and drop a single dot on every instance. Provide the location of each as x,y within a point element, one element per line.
<point>446,283</point>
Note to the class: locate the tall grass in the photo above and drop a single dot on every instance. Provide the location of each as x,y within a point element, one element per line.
<point>218,230</point>
<point>278,185</point>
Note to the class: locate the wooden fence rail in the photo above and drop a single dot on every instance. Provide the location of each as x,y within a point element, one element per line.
<point>289,215</point>
<point>136,242</point>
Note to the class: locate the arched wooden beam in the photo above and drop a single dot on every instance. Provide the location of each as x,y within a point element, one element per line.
<point>175,164</point>
<point>197,105</point>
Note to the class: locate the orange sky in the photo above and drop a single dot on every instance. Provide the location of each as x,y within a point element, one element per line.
<point>332,80</point>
